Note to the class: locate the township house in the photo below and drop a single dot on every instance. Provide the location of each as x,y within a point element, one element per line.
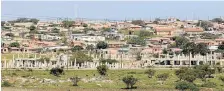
<point>163,31</point>
<point>193,30</point>
<point>135,27</point>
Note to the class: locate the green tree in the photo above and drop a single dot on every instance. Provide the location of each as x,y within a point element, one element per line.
<point>138,22</point>
<point>67,23</point>
<point>144,33</point>
<point>106,29</point>
<point>32,29</point>
<point>89,47</point>
<point>101,45</point>
<point>180,41</point>
<point>150,72</point>
<point>204,71</point>
<point>75,80</point>
<point>202,48</point>
<point>182,86</point>
<point>6,84</point>
<point>76,48</point>
<point>162,77</point>
<point>129,81</point>
<point>102,70</point>
<point>34,20</point>
<point>204,24</point>
<point>221,78</point>
<point>57,71</point>
<point>110,61</point>
<point>189,75</point>
<point>2,23</point>
<point>14,44</point>
<point>137,41</point>
<point>80,57</point>
<point>180,72</point>
<point>190,48</point>
<point>218,20</point>
<point>9,34</point>
<point>85,25</point>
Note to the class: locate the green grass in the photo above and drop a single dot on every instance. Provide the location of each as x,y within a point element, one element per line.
<point>114,75</point>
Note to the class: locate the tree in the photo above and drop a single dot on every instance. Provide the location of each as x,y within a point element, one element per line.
<point>85,25</point>
<point>180,41</point>
<point>106,29</point>
<point>150,72</point>
<point>80,57</point>
<point>182,85</point>
<point>67,23</point>
<point>2,23</point>
<point>162,77</point>
<point>14,44</point>
<point>57,71</point>
<point>110,61</point>
<point>180,72</point>
<point>204,24</point>
<point>202,48</point>
<point>102,70</point>
<point>190,48</point>
<point>34,20</point>
<point>90,47</point>
<point>144,33</point>
<point>47,59</point>
<point>189,75</point>
<point>75,80</point>
<point>101,45</point>
<point>138,22</point>
<point>32,29</point>
<point>137,41</point>
<point>6,84</point>
<point>9,34</point>
<point>76,48</point>
<point>218,20</point>
<point>204,71</point>
<point>209,36</point>
<point>55,30</point>
<point>221,78</point>
<point>129,81</point>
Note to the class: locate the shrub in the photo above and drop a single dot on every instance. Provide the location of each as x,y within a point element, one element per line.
<point>182,85</point>
<point>102,69</point>
<point>219,69</point>
<point>163,77</point>
<point>6,84</point>
<point>209,84</point>
<point>221,78</point>
<point>129,81</point>
<point>75,80</point>
<point>56,71</point>
<point>150,72</point>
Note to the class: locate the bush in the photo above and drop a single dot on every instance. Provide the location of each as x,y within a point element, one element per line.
<point>75,80</point>
<point>182,85</point>
<point>163,77</point>
<point>6,84</point>
<point>56,71</point>
<point>129,81</point>
<point>219,69</point>
<point>102,69</point>
<point>209,84</point>
<point>150,72</point>
<point>221,78</point>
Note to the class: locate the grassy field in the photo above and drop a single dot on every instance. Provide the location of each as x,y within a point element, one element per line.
<point>112,82</point>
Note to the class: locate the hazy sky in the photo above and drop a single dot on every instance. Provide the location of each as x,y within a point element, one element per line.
<point>112,9</point>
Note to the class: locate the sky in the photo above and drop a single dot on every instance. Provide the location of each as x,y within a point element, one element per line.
<point>114,10</point>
